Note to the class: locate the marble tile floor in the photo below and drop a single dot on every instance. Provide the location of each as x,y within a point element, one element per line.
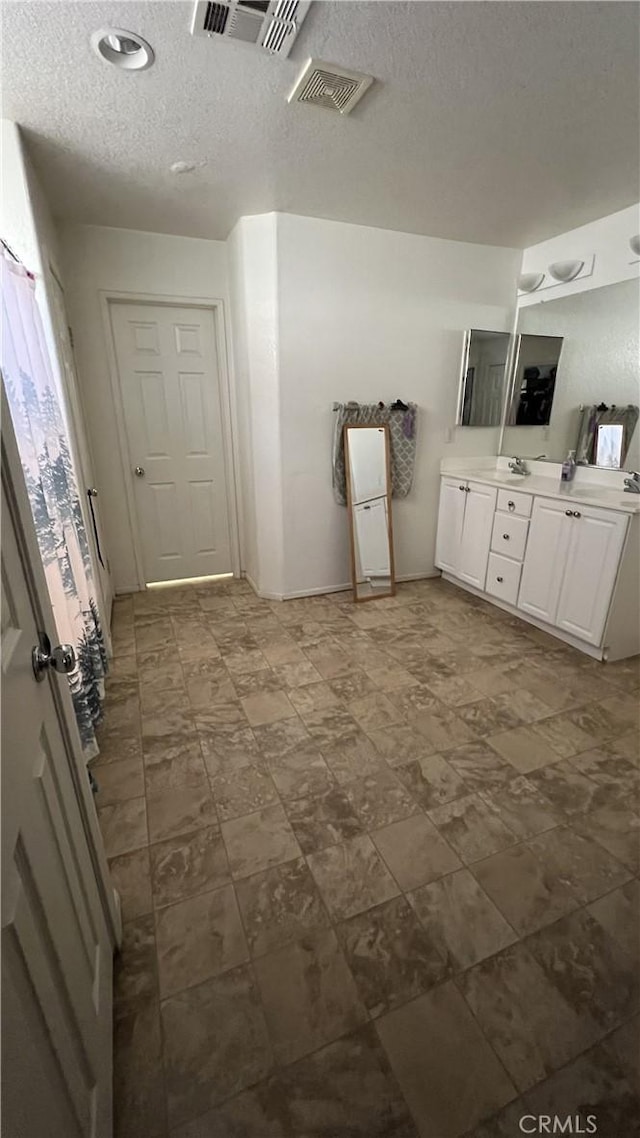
<point>378,868</point>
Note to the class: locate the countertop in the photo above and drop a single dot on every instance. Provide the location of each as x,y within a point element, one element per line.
<point>582,493</point>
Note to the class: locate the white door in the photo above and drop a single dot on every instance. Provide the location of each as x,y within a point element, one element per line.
<point>450,517</point>
<point>597,538</point>
<point>545,559</point>
<point>170,386</point>
<point>476,533</point>
<point>56,943</point>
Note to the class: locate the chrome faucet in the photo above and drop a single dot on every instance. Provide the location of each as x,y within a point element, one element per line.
<point>632,483</point>
<point>518,465</point>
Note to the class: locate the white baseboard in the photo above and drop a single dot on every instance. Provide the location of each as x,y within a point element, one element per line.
<point>322,590</point>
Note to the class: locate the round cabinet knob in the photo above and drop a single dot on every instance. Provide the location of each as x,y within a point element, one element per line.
<point>511,505</point>
<point>92,492</point>
<point>500,579</point>
<point>139,471</point>
<point>506,536</point>
<point>569,513</point>
<point>461,487</point>
<point>577,514</point>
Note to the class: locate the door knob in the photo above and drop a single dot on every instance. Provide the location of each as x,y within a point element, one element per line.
<point>61,659</point>
<point>139,470</point>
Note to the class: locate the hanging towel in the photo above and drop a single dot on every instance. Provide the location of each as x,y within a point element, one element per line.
<point>402,434</point>
<point>592,418</point>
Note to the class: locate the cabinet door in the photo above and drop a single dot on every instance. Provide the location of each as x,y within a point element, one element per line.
<point>450,515</point>
<point>545,559</point>
<point>595,546</point>
<point>476,533</point>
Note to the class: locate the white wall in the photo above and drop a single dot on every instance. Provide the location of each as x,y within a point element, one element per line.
<point>253,271</point>
<point>98,259</point>
<point>371,314</point>
<point>607,238</point>
<point>27,225</point>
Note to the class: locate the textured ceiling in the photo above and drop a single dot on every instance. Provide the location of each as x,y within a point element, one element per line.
<point>503,123</point>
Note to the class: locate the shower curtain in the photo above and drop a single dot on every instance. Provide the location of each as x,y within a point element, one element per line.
<point>37,412</point>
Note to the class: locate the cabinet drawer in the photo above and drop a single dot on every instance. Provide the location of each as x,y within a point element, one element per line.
<point>503,578</point>
<point>509,535</point>
<point>514,502</point>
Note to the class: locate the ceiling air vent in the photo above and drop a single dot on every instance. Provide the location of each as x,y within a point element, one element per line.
<point>325,85</point>
<point>271,25</point>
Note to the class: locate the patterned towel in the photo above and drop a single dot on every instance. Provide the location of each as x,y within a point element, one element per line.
<point>402,432</point>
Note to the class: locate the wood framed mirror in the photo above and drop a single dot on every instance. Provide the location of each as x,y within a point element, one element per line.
<point>367,454</point>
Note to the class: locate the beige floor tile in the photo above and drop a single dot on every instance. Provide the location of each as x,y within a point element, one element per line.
<point>391,955</point>
<point>124,826</point>
<point>280,905</point>
<point>461,920</point>
<point>204,1065</point>
<point>414,851</point>
<point>119,781</point>
<point>301,772</point>
<point>191,864</point>
<point>352,877</point>
<point>323,819</point>
<point>243,791</point>
<point>374,711</point>
<point>312,697</point>
<point>432,781</point>
<point>308,994</point>
<point>524,749</point>
<point>525,888</point>
<point>532,1027</point>
<point>473,827</point>
<point>447,1071</point>
<point>379,799</point>
<point>131,876</point>
<point>179,810</point>
<point>198,938</point>
<point>258,841</point>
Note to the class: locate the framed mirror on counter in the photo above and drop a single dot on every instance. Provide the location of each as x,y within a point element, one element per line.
<point>575,383</point>
<point>368,477</point>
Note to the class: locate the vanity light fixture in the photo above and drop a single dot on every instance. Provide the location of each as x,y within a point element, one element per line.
<point>126,50</point>
<point>529,282</point>
<point>634,244</point>
<point>565,271</point>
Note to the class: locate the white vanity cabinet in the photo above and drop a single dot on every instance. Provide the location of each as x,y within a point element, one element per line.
<point>571,566</point>
<point>465,522</point>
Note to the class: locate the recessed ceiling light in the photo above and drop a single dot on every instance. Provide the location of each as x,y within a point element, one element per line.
<point>123,49</point>
<point>182,167</point>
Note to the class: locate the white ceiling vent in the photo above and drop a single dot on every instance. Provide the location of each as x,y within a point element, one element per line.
<point>325,85</point>
<point>271,25</point>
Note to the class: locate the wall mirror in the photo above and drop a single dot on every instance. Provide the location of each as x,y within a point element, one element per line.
<point>482,378</point>
<point>590,403</point>
<point>368,469</point>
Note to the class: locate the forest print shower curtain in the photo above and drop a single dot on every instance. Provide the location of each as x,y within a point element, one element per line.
<point>41,432</point>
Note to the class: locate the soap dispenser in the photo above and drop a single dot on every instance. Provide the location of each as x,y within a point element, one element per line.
<point>568,467</point>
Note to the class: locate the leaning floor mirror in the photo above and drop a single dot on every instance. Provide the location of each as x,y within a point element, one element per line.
<point>368,468</point>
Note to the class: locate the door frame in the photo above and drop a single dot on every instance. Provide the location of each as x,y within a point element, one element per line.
<point>228,418</point>
<point>21,517</point>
